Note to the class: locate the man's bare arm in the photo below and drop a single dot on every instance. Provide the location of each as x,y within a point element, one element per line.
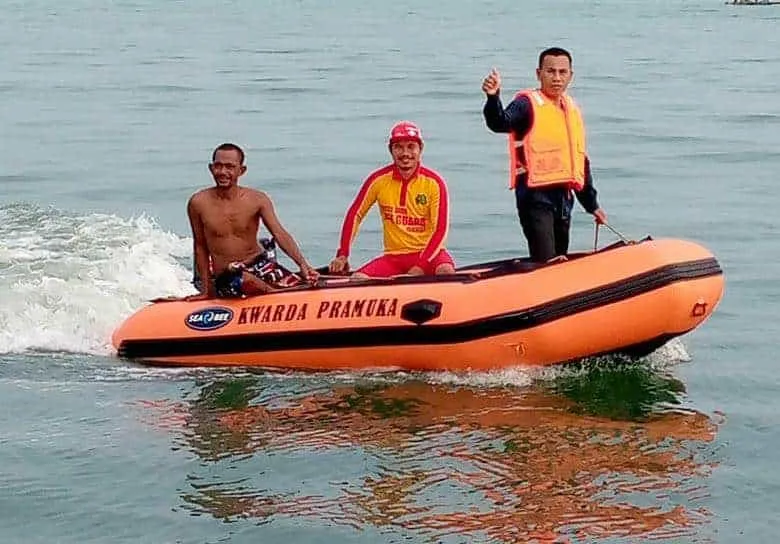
<point>200,247</point>
<point>283,238</point>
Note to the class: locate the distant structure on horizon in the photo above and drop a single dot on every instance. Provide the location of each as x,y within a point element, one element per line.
<point>753,2</point>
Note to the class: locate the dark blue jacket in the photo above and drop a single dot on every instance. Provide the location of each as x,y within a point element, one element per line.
<point>518,116</point>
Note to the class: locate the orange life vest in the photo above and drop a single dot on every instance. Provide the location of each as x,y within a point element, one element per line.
<point>554,147</point>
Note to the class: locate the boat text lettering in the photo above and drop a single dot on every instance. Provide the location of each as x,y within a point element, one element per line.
<point>327,309</point>
<point>273,312</point>
<point>362,307</point>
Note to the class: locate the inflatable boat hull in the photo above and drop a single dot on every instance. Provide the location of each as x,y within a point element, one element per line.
<point>628,298</point>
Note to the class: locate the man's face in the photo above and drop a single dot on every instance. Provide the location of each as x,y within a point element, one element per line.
<point>227,168</point>
<point>406,154</point>
<point>554,75</point>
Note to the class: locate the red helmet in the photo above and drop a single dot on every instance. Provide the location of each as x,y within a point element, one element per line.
<point>404,131</point>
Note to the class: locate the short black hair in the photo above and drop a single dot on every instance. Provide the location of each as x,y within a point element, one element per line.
<point>228,147</point>
<point>554,52</point>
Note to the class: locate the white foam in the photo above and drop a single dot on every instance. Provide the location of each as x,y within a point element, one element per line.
<point>669,354</point>
<point>68,280</point>
<point>512,376</point>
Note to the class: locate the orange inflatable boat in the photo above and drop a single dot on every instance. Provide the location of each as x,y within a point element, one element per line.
<point>628,297</point>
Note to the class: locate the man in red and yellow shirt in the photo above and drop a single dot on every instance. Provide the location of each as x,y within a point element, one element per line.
<point>414,206</point>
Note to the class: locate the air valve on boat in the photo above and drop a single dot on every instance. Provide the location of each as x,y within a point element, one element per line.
<point>421,311</point>
<point>699,309</point>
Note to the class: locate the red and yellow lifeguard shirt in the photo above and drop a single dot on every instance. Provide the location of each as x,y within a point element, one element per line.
<point>415,212</point>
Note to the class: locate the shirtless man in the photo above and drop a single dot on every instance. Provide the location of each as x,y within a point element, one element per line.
<point>225,220</point>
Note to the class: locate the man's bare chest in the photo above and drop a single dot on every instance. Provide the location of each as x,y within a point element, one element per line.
<point>226,221</point>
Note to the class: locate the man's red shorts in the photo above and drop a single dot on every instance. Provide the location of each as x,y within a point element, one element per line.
<point>391,265</point>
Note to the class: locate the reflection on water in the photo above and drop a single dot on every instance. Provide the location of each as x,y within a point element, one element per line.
<point>595,454</point>
<point>633,393</point>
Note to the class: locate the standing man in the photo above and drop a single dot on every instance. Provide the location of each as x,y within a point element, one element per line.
<point>414,207</point>
<point>225,220</point>
<point>548,158</point>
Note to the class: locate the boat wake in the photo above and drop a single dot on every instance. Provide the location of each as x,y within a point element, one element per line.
<point>68,280</point>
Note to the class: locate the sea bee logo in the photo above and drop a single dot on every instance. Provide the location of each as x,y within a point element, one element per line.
<point>421,199</point>
<point>209,319</point>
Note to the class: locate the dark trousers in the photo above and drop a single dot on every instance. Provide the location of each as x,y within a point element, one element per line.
<point>546,231</point>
